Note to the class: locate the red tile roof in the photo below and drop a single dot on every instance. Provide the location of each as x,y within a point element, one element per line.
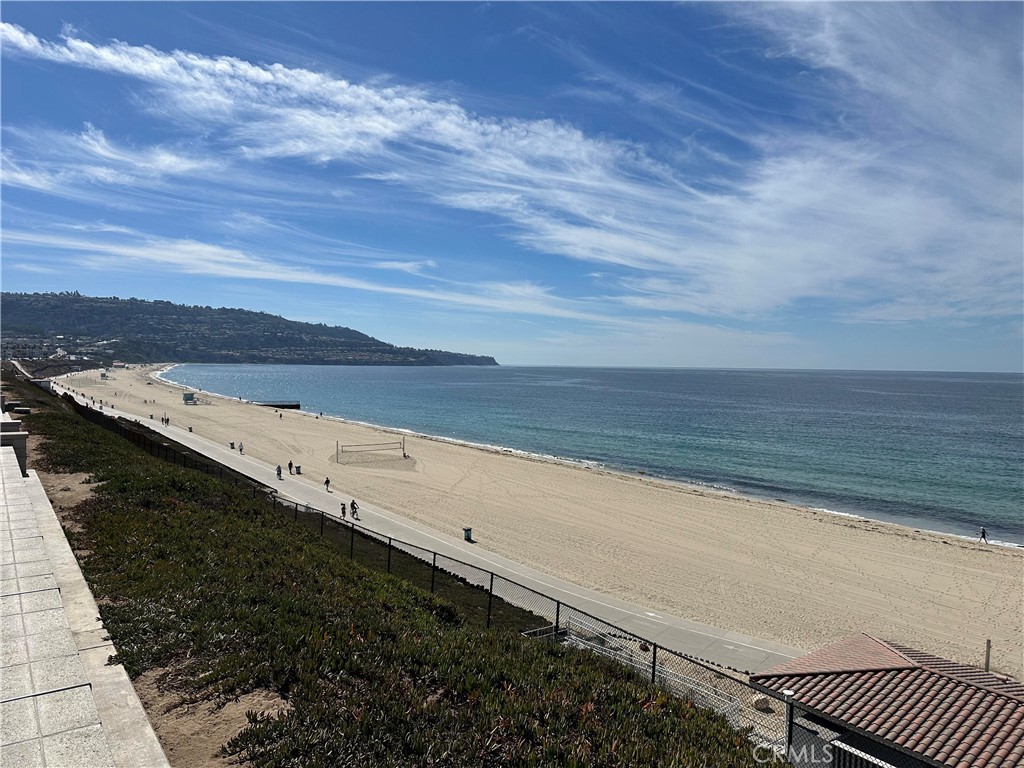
<point>947,713</point>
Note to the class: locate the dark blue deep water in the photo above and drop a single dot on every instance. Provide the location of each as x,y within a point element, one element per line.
<point>940,451</point>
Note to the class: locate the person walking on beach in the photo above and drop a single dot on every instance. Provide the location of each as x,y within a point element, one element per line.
<point>327,485</point>
<point>355,509</point>
<point>983,535</point>
<point>278,471</point>
<point>289,468</point>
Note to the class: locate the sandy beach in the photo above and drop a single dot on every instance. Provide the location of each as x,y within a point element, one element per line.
<point>766,569</point>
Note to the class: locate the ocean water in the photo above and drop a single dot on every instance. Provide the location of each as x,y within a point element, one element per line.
<point>936,451</point>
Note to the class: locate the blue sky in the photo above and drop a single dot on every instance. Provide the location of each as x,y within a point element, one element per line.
<point>712,184</point>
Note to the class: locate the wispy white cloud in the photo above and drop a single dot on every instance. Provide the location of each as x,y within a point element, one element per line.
<point>36,268</point>
<point>98,226</point>
<point>907,207</point>
<point>15,174</point>
<point>88,166</point>
<point>158,161</point>
<point>243,221</point>
<point>91,149</point>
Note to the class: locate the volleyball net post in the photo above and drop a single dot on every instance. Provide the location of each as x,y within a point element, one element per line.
<point>396,445</point>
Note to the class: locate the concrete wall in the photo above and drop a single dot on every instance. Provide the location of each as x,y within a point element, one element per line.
<point>12,435</point>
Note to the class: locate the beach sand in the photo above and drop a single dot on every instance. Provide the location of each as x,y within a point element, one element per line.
<point>766,569</point>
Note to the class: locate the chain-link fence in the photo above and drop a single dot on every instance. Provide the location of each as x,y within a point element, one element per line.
<point>158,446</point>
<point>703,684</point>
<point>539,610</point>
<point>725,692</point>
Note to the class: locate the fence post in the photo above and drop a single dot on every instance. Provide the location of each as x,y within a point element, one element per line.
<point>654,662</point>
<point>296,518</point>
<point>433,570</point>
<point>389,554</point>
<point>352,542</point>
<point>490,599</point>
<point>322,515</point>
<point>789,720</point>
<point>558,615</point>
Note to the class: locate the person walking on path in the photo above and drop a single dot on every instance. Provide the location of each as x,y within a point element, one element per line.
<point>241,449</point>
<point>327,485</point>
<point>343,510</point>
<point>278,471</point>
<point>983,535</point>
<point>355,509</point>
<point>289,468</point>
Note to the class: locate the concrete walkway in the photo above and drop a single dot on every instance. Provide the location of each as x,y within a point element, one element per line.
<point>720,646</point>
<point>60,703</point>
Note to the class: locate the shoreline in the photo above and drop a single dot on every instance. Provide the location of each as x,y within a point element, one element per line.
<point>767,569</point>
<point>595,466</point>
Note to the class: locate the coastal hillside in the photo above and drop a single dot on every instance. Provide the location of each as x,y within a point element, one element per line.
<point>134,330</point>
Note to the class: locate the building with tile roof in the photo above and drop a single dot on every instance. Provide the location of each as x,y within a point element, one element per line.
<point>875,703</point>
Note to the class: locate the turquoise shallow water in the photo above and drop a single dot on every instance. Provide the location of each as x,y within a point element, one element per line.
<point>940,451</point>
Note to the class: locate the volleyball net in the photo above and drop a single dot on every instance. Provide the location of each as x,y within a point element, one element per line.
<point>396,445</point>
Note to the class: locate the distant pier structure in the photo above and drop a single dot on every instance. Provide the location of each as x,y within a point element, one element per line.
<point>292,405</point>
